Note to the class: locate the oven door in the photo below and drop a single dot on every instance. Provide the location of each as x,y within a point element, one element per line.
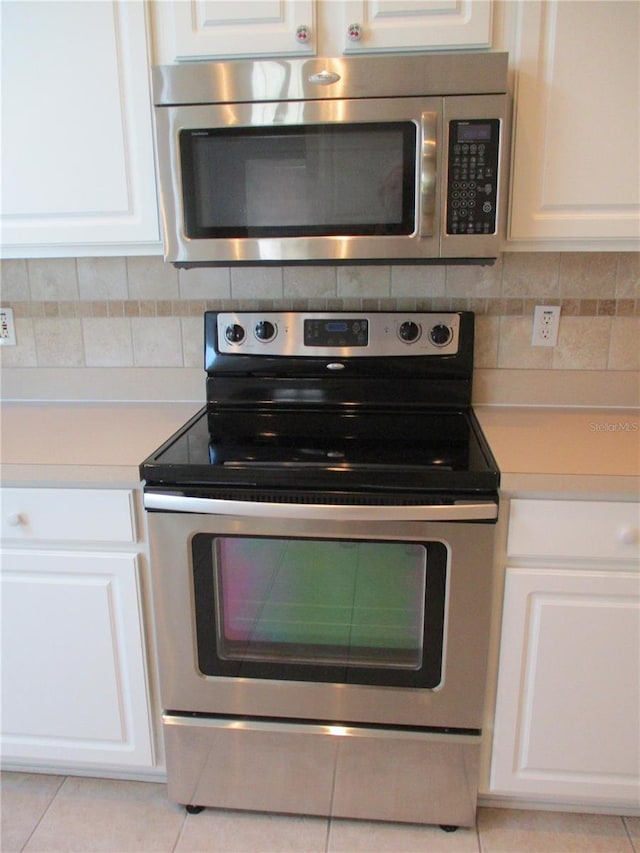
<point>318,613</point>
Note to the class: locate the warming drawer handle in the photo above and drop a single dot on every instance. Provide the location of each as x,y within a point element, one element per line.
<point>459,511</point>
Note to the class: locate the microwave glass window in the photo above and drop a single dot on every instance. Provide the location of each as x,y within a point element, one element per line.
<point>352,179</point>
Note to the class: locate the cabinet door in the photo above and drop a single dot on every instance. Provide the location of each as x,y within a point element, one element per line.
<point>568,701</point>
<point>77,165</point>
<point>387,25</point>
<point>74,689</point>
<point>217,29</point>
<point>576,173</point>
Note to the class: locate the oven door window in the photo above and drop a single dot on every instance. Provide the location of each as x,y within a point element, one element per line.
<point>320,610</point>
<point>309,180</point>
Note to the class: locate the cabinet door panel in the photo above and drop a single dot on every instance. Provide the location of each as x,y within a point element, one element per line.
<point>217,28</point>
<point>73,671</point>
<point>568,701</point>
<point>576,172</point>
<point>77,165</point>
<point>416,24</point>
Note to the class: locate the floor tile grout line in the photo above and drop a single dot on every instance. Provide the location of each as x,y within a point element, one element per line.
<point>327,837</point>
<point>181,831</point>
<point>44,813</point>
<point>628,832</point>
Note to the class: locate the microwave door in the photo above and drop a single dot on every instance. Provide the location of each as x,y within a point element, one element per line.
<point>303,181</point>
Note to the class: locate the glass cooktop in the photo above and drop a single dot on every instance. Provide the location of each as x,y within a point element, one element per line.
<point>319,449</point>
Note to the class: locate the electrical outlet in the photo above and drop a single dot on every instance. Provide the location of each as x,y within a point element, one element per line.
<point>7,328</point>
<point>546,323</point>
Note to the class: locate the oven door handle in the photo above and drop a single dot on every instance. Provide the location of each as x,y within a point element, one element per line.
<point>456,511</point>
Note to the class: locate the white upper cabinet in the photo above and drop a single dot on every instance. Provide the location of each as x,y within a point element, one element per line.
<point>576,172</point>
<point>217,29</point>
<point>379,25</point>
<point>77,159</point>
<point>203,29</point>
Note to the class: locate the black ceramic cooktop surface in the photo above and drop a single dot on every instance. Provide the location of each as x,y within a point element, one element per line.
<point>429,451</point>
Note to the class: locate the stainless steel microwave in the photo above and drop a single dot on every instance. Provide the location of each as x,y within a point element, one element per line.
<point>358,159</point>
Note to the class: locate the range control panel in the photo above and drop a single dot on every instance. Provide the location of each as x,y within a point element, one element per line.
<point>338,334</point>
<point>472,182</point>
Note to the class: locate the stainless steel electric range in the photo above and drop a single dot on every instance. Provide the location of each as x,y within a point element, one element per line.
<point>322,534</point>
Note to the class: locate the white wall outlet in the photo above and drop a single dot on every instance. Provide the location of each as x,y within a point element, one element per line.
<point>7,328</point>
<point>546,323</point>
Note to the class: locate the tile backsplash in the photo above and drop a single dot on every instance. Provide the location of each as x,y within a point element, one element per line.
<point>141,312</point>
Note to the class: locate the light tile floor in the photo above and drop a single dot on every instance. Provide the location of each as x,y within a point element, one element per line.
<point>58,813</point>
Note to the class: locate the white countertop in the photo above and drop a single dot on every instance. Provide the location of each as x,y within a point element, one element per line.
<point>545,451</point>
<point>557,451</point>
<point>44,444</point>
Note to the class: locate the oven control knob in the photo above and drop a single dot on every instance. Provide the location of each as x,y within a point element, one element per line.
<point>265,331</point>
<point>234,334</point>
<point>409,331</point>
<point>440,335</point>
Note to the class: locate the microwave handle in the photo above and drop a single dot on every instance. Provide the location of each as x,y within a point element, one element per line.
<point>428,164</point>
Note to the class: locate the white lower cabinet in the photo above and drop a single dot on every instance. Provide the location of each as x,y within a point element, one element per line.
<point>74,675</point>
<point>567,722</point>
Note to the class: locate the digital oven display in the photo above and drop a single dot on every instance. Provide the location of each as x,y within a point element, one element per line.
<point>336,333</point>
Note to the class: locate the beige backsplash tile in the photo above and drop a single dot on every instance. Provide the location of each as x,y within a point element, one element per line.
<point>102,278</point>
<point>157,341</point>
<point>628,276</point>
<point>487,332</point>
<point>58,342</point>
<point>151,278</point>
<point>624,352</point>
<point>205,283</point>
<point>14,280</point>
<point>107,342</point>
<point>417,281</point>
<point>591,274</point>
<point>362,281</point>
<point>515,350</point>
<point>256,283</point>
<point>531,274</point>
<point>309,282</point>
<point>583,343</point>
<point>54,279</point>
<point>479,281</point>
<point>139,311</point>
<point>192,341</point>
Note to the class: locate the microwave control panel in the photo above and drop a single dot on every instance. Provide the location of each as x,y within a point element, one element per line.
<point>472,176</point>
